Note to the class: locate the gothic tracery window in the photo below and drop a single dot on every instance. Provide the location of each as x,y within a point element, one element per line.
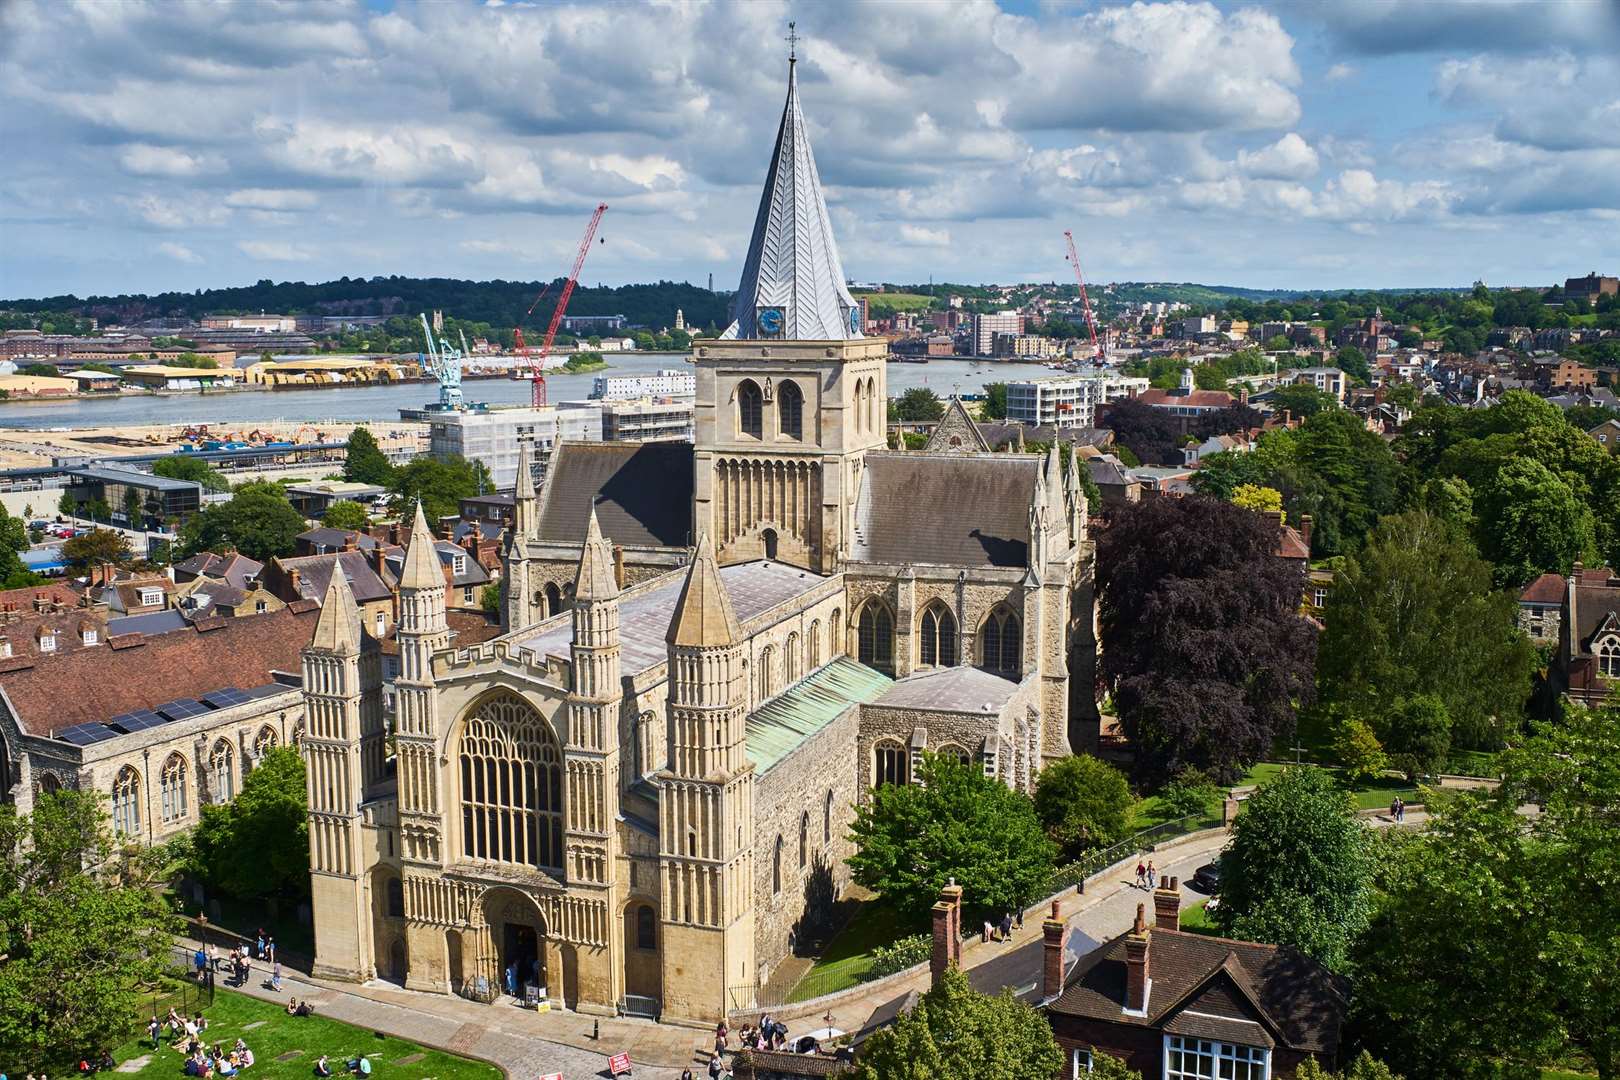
<point>221,771</point>
<point>750,409</point>
<point>265,741</point>
<point>511,785</point>
<point>1608,654</point>
<point>1000,642</point>
<point>126,802</point>
<point>173,800</point>
<point>876,636</point>
<point>891,764</point>
<point>790,410</point>
<point>937,637</point>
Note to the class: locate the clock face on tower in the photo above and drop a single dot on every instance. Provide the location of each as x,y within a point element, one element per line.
<point>770,321</point>
<point>854,320</point>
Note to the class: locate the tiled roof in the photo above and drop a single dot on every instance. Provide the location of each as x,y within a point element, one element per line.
<point>1546,589</point>
<point>1297,997</point>
<point>241,652</point>
<point>315,573</point>
<point>234,568</point>
<point>642,493</point>
<point>782,724</point>
<point>945,509</point>
<point>1207,399</point>
<point>335,539</point>
<point>23,633</point>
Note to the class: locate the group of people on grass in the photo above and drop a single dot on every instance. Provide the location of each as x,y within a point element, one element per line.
<point>186,1036</point>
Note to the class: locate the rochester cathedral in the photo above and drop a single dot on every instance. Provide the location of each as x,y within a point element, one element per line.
<point>638,796</point>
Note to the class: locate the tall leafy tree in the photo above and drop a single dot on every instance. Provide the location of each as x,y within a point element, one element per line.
<point>195,469</point>
<point>13,541</point>
<point>1531,523</point>
<point>258,521</point>
<point>1344,477</point>
<point>82,934</point>
<point>346,514</point>
<point>958,823</point>
<point>1083,802</point>
<point>919,403</point>
<point>956,1033</point>
<point>365,463</point>
<point>1151,433</point>
<point>995,401</point>
<point>438,485</point>
<point>258,843</point>
<point>1203,644</point>
<point>1301,400</point>
<point>95,547</point>
<point>1298,871</point>
<point>1414,613</point>
<point>1496,939</point>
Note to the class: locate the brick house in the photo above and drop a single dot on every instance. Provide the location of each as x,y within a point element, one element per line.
<point>1588,662</point>
<point>1184,1006</point>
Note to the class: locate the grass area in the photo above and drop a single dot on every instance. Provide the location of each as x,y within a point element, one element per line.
<point>1195,920</point>
<point>900,301</point>
<point>279,1035</point>
<point>849,954</point>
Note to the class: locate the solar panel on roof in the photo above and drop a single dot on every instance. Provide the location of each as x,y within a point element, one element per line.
<point>182,709</point>
<point>221,699</point>
<point>86,734</point>
<point>267,690</point>
<point>140,720</point>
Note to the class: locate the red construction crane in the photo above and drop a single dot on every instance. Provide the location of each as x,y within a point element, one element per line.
<point>537,364</point>
<point>1085,301</point>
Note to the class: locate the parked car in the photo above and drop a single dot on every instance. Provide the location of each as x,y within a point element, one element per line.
<point>1207,878</point>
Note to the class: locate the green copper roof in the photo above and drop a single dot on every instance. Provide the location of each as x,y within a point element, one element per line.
<point>782,724</point>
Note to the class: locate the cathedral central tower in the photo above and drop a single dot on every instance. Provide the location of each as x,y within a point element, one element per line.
<point>792,396</point>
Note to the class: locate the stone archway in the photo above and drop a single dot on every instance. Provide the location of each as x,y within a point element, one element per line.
<point>643,968</point>
<point>517,939</point>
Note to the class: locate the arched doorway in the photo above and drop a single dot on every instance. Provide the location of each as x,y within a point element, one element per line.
<point>769,536</point>
<point>517,932</point>
<point>643,976</point>
<point>398,969</point>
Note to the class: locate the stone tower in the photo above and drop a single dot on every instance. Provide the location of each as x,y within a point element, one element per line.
<point>591,756</point>
<point>422,631</point>
<point>792,396</point>
<point>334,692</point>
<point>706,804</point>
<point>518,609</point>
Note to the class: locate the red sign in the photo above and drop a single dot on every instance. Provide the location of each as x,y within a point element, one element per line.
<point>552,1076</point>
<point>619,1064</point>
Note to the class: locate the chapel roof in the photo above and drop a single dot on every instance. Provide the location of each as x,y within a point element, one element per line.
<point>788,720</point>
<point>945,509</point>
<point>642,493</point>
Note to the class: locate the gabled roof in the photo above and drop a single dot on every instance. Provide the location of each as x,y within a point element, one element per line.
<point>792,259</point>
<point>956,433</point>
<point>642,493</point>
<point>315,572</point>
<point>945,509</point>
<point>233,567</point>
<point>1546,589</point>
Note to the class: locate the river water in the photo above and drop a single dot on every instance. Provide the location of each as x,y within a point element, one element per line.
<point>374,403</point>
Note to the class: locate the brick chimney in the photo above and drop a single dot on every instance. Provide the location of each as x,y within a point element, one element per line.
<point>1137,979</point>
<point>1052,954</point>
<point>1305,529</point>
<point>295,582</point>
<point>394,537</point>
<point>947,918</point>
<point>350,540</point>
<point>1167,905</point>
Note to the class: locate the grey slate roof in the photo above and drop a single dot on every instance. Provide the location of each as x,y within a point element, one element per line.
<point>945,509</point>
<point>792,259</point>
<point>753,587</point>
<point>642,492</point>
<point>315,574</point>
<point>153,622</point>
<point>952,689</point>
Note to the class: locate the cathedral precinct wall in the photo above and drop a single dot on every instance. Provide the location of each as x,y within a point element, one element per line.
<point>794,791</point>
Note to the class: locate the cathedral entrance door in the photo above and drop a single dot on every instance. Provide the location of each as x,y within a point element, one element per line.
<point>518,934</point>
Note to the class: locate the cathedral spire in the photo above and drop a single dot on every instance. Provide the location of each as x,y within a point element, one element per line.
<point>421,567</point>
<point>595,580</point>
<point>703,614</point>
<point>792,282</point>
<point>337,630</point>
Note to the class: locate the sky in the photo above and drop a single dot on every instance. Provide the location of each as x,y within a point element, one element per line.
<point>186,144</point>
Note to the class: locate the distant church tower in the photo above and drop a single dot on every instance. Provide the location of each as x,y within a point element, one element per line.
<point>792,396</point>
<point>680,319</point>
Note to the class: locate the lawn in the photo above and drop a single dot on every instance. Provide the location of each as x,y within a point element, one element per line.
<point>300,1041</point>
<point>849,954</point>
<point>1195,920</point>
<point>900,301</point>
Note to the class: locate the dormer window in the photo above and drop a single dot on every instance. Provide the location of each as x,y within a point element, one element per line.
<point>5,648</point>
<point>90,636</point>
<point>47,641</point>
<point>151,597</point>
<point>458,565</point>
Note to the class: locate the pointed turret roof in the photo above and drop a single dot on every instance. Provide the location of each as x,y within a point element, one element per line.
<point>703,614</point>
<point>421,569</point>
<point>525,474</point>
<point>792,260</point>
<point>596,580</point>
<point>338,628</point>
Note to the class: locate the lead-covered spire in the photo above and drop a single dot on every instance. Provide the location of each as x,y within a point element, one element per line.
<point>793,283</point>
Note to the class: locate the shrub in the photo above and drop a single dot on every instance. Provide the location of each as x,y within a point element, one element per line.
<point>1191,792</point>
<point>904,953</point>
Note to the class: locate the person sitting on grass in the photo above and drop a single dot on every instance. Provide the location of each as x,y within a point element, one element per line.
<point>304,1009</point>
<point>107,1064</point>
<point>322,1068</point>
<point>360,1066</point>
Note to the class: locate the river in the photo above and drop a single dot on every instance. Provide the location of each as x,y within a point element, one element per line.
<point>373,403</point>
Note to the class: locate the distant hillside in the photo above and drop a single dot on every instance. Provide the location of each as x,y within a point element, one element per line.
<point>500,303</point>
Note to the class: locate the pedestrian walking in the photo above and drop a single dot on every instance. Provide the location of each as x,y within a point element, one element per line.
<point>258,944</point>
<point>275,977</point>
<point>1141,873</point>
<point>1152,875</point>
<point>270,948</point>
<point>1400,808</point>
<point>1006,927</point>
<point>200,959</point>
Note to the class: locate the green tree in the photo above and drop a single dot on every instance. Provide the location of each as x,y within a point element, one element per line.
<point>364,462</point>
<point>1364,1067</point>
<point>1298,871</point>
<point>1531,523</point>
<point>1414,613</point>
<point>44,371</point>
<point>956,1033</point>
<point>1191,792</point>
<point>1353,362</point>
<point>14,540</point>
<point>438,485</point>
<point>1083,802</point>
<point>258,521</point>
<point>1301,400</point>
<point>919,403</point>
<point>1417,735</point>
<point>94,548</point>
<point>1279,343</point>
<point>1495,943</point>
<point>258,844</point>
<point>994,406</point>
<point>1259,499</point>
<point>958,823</point>
<point>192,468</point>
<point>83,935</point>
<point>490,599</point>
<point>132,508</point>
<point>346,514</point>
<point>1357,749</point>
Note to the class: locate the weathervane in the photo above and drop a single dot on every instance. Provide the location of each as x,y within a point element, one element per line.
<point>793,42</point>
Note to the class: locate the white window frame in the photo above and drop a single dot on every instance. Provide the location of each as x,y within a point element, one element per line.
<point>91,637</point>
<point>47,641</point>
<point>1608,657</point>
<point>459,565</point>
<point>1080,1063</point>
<point>148,597</point>
<point>1217,1053</point>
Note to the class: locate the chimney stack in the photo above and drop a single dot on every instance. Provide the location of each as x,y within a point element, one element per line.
<point>1052,954</point>
<point>1137,979</point>
<point>1167,905</point>
<point>1305,530</point>
<point>947,918</point>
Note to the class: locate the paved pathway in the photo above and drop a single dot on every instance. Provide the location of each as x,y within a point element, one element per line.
<point>527,1044</point>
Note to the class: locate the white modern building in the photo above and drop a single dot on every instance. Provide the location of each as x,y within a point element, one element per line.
<point>666,382</point>
<point>493,437</point>
<point>986,327</point>
<point>1068,401</point>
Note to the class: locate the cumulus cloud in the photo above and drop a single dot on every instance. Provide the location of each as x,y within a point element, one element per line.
<point>178,252</point>
<point>1339,72</point>
<point>270,199</point>
<point>1415,26</point>
<point>274,251</point>
<point>140,159</point>
<point>1289,158</point>
<point>918,236</point>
